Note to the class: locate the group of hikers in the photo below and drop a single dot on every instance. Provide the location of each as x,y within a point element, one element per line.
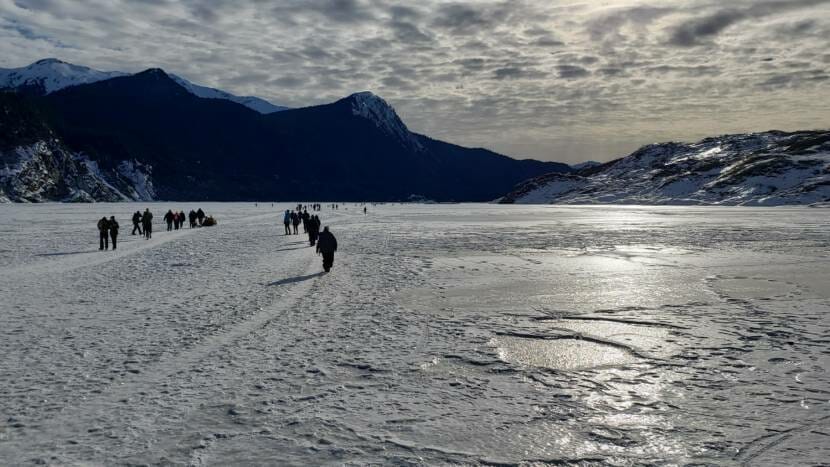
<point>295,218</point>
<point>107,229</point>
<point>143,224</point>
<point>324,240</point>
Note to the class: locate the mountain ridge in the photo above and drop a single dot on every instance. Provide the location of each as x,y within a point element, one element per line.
<point>192,148</point>
<point>49,75</point>
<point>766,168</point>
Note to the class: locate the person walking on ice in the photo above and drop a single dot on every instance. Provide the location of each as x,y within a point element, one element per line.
<point>313,229</point>
<point>103,234</point>
<point>169,219</point>
<point>137,223</point>
<point>147,222</point>
<point>327,245</point>
<point>113,227</point>
<point>295,221</point>
<point>286,219</point>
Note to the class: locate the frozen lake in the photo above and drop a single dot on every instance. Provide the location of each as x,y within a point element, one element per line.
<point>455,334</point>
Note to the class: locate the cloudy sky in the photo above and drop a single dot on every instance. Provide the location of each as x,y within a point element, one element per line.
<point>561,80</point>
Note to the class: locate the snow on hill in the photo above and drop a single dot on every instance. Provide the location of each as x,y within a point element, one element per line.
<point>46,170</point>
<point>374,108</point>
<point>585,165</point>
<point>36,166</point>
<point>260,105</point>
<point>772,168</point>
<point>49,75</point>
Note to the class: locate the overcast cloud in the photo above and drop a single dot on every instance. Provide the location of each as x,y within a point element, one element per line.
<point>559,80</point>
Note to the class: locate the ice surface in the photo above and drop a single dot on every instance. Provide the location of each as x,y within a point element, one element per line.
<point>445,334</point>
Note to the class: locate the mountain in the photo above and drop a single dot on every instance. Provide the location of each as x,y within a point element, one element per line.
<point>50,75</point>
<point>36,165</point>
<point>260,105</point>
<point>771,168</point>
<point>215,149</point>
<point>585,165</point>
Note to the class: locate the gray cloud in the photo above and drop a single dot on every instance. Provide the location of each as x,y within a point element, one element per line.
<point>572,72</point>
<point>698,30</point>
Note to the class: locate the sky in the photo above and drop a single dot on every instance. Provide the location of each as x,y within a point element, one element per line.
<point>560,80</point>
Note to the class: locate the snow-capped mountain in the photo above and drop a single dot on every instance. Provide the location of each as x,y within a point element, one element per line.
<point>50,75</point>
<point>172,144</point>
<point>260,105</point>
<point>375,109</point>
<point>771,168</point>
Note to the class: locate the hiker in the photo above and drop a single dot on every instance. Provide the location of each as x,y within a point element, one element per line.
<point>200,216</point>
<point>286,219</point>
<point>169,219</point>
<point>295,222</point>
<point>192,217</point>
<point>327,245</point>
<point>103,233</point>
<point>313,230</point>
<point>364,210</point>
<point>147,223</point>
<point>137,223</point>
<point>305,218</point>
<point>113,227</point>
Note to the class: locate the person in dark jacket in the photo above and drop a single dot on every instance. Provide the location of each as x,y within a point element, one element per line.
<point>169,219</point>
<point>313,229</point>
<point>295,221</point>
<point>305,217</point>
<point>327,245</point>
<point>103,233</point>
<point>200,216</point>
<point>113,227</point>
<point>192,217</point>
<point>147,223</point>
<point>137,223</point>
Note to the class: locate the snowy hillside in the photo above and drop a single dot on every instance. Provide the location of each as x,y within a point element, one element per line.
<point>49,75</point>
<point>772,168</point>
<point>376,109</point>
<point>36,166</point>
<point>255,103</point>
<point>46,171</point>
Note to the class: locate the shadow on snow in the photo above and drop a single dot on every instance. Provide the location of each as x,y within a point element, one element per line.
<point>292,280</point>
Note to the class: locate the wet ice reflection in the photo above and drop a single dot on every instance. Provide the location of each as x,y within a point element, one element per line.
<point>560,354</point>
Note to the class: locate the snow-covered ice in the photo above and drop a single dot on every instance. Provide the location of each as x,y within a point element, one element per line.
<point>445,334</point>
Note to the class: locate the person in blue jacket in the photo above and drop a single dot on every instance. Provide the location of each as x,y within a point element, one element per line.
<point>287,221</point>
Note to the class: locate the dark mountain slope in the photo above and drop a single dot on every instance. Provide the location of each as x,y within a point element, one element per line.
<point>355,148</point>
